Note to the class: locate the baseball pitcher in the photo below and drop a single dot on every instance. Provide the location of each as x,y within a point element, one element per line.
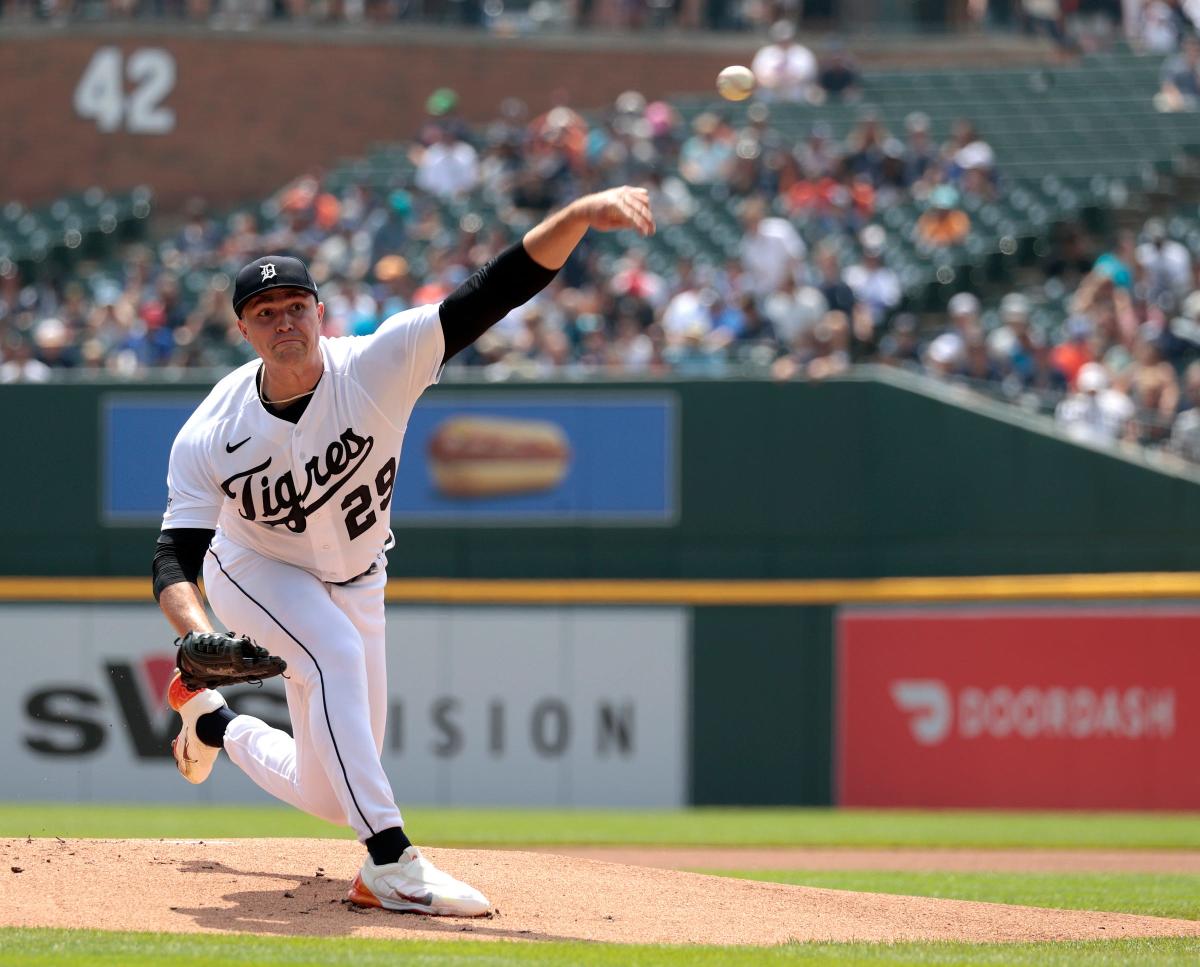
<point>279,487</point>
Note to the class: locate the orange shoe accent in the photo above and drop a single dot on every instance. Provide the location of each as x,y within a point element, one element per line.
<point>360,896</point>
<point>178,694</point>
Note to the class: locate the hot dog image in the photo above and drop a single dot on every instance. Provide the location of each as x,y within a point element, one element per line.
<point>477,456</point>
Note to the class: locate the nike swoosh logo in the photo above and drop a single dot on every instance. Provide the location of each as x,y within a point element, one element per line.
<point>230,447</point>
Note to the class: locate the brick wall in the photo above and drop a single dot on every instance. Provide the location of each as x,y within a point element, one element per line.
<point>252,112</point>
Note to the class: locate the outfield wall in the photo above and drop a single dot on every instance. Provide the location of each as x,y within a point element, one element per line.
<point>1018,692</point>
<point>707,540</point>
<point>486,706</point>
<point>872,476</point>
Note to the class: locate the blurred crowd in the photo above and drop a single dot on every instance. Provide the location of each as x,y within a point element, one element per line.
<point>513,17</point>
<point>1072,25</point>
<point>801,290</point>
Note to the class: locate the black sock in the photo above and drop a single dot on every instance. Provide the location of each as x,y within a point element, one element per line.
<point>210,727</point>
<point>387,845</point>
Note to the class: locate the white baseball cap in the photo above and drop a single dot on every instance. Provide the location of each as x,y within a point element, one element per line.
<point>1092,378</point>
<point>962,304</point>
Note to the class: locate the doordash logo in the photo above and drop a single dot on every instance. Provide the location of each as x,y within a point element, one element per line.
<point>934,711</point>
<point>927,703</point>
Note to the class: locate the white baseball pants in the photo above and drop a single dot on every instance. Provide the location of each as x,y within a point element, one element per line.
<point>333,641</point>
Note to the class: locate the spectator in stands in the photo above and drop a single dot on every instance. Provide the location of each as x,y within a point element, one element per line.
<point>893,186</point>
<point>1185,433</point>
<point>794,310</point>
<point>692,356</point>
<point>1179,88</point>
<point>635,350</point>
<point>973,170</point>
<point>963,315</point>
<point>839,76</point>
<point>1070,257</point>
<point>1166,267</point>
<point>818,353</point>
<point>1075,351</point>
<point>920,153</point>
<point>784,69</point>
<point>1119,262</point>
<point>945,356</point>
<point>634,281</point>
<point>707,156</point>
<point>771,248</point>
<point>831,344</point>
<point>864,151</point>
<point>1095,413</point>
<point>1045,18</point>
<point>449,167</point>
<point>819,152</point>
<point>962,133</point>
<point>670,199</point>
<point>943,224</point>
<point>1105,294</point>
<point>839,297</point>
<point>820,198</point>
<point>751,340</point>
<point>17,363</point>
<point>1157,30</point>
<point>874,284</point>
<point>900,346</point>
<point>209,336</point>
<point>978,367</point>
<point>1014,343</point>
<point>53,342</point>
<point>689,311</point>
<point>1151,383</point>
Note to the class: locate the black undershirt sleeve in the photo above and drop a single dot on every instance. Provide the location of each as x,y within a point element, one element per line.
<point>511,279</point>
<point>179,556</point>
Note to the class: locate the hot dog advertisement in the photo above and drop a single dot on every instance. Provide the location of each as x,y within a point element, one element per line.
<point>497,457</point>
<point>525,458</point>
<point>473,456</point>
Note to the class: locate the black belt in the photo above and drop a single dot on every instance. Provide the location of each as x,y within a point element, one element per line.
<point>371,570</point>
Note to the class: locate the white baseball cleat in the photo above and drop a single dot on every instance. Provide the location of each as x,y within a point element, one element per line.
<point>414,885</point>
<point>194,758</point>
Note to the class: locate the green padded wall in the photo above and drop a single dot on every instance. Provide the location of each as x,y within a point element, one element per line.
<point>762,687</point>
<point>848,478</point>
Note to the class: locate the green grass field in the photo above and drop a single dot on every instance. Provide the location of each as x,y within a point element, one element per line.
<point>1135,893</point>
<point>79,948</point>
<point>1155,895</point>
<point>694,827</point>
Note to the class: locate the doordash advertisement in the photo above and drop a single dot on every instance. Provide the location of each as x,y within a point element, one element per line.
<point>1039,708</point>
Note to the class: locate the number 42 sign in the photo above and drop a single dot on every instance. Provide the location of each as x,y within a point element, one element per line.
<point>127,93</point>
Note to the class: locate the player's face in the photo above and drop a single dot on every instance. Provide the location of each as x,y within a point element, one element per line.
<point>283,325</point>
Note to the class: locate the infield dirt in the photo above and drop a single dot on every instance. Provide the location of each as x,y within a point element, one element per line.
<point>294,887</point>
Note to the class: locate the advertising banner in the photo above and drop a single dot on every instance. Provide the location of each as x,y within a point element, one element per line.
<point>504,458</point>
<point>487,706</point>
<point>1034,708</point>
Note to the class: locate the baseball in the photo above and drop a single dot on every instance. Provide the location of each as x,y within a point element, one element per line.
<point>735,83</point>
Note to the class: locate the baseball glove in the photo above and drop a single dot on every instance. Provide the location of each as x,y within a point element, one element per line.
<point>212,659</point>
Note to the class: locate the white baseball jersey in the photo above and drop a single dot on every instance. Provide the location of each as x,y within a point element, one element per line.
<point>315,494</point>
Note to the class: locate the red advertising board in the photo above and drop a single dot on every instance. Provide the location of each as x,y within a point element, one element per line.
<point>1032,708</point>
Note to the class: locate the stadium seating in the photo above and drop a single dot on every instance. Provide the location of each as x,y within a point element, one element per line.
<point>90,225</point>
<point>1075,141</point>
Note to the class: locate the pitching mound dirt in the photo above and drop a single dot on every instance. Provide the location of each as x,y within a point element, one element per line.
<point>291,887</point>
